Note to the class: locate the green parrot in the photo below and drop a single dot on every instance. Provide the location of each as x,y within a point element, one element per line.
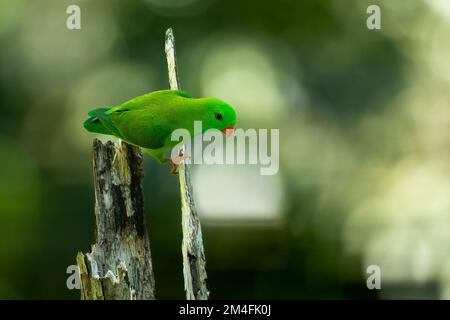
<point>147,121</point>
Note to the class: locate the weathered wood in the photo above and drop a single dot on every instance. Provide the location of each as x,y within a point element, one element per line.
<point>194,261</point>
<point>119,265</point>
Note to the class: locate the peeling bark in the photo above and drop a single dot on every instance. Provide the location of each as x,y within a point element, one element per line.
<point>119,265</point>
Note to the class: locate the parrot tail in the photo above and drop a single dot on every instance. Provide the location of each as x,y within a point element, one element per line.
<point>94,125</point>
<point>100,122</point>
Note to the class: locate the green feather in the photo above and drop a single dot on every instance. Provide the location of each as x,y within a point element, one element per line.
<point>101,120</point>
<point>147,121</point>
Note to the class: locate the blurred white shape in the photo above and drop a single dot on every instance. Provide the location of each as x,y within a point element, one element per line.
<point>237,194</point>
<point>440,7</point>
<point>246,75</point>
<point>402,254</point>
<point>405,229</point>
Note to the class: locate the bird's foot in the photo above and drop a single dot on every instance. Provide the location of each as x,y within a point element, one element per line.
<point>175,162</point>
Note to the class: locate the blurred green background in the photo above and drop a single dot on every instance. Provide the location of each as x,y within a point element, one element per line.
<point>364,122</point>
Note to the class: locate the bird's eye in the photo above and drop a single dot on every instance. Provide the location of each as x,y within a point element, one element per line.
<point>218,116</point>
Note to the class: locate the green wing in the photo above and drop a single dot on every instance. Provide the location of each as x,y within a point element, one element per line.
<point>100,122</point>
<point>146,121</point>
<point>161,97</point>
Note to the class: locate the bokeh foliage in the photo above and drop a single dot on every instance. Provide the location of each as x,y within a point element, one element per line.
<point>364,125</point>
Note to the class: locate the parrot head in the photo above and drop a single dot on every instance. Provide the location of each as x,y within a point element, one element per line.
<point>219,115</point>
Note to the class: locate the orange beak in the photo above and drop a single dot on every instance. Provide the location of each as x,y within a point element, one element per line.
<point>228,130</point>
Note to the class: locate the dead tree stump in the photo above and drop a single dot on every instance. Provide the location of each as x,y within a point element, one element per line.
<point>119,265</point>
